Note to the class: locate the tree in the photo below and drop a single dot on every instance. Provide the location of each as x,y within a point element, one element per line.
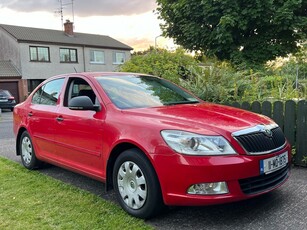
<point>242,31</point>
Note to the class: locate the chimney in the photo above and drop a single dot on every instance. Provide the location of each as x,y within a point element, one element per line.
<point>69,28</point>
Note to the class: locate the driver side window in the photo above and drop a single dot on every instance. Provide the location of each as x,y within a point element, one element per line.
<point>79,87</point>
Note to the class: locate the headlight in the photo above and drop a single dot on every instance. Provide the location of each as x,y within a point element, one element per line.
<point>195,144</point>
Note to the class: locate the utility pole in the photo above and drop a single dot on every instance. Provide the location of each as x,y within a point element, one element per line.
<point>156,40</point>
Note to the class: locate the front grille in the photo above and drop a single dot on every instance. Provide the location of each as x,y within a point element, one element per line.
<point>260,142</point>
<point>263,183</point>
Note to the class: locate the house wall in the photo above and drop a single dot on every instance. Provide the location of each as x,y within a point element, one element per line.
<point>9,49</point>
<point>44,70</point>
<point>108,66</point>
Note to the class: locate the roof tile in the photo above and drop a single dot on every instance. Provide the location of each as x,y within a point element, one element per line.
<point>7,69</point>
<point>29,34</point>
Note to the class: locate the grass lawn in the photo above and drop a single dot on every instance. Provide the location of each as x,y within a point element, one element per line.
<point>31,200</point>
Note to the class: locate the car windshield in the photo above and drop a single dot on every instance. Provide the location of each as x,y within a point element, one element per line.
<point>132,91</point>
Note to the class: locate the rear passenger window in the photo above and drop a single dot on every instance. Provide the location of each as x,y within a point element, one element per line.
<point>48,94</point>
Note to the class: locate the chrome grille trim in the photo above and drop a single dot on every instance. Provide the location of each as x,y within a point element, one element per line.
<point>261,139</point>
<point>255,129</point>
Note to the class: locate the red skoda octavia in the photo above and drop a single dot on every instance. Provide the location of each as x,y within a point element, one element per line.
<point>151,141</point>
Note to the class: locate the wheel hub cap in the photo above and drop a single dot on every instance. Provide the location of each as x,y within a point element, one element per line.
<point>132,185</point>
<point>26,150</point>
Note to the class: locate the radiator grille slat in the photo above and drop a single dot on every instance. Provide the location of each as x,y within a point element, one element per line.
<point>260,142</point>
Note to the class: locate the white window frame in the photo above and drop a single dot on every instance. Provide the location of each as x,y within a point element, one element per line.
<point>116,57</point>
<point>95,61</point>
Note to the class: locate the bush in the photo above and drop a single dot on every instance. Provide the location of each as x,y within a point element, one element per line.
<point>220,83</point>
<point>216,81</point>
<point>160,62</point>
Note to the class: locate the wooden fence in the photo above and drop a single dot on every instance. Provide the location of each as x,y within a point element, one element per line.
<point>291,116</point>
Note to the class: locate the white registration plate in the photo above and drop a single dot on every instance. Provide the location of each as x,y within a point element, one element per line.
<point>274,163</point>
<point>3,100</point>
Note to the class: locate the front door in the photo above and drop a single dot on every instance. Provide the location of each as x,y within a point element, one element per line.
<point>79,134</point>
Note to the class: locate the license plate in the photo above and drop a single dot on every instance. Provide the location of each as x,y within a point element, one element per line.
<point>274,163</point>
<point>3,100</point>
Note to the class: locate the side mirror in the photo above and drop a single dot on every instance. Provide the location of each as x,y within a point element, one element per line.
<point>82,103</point>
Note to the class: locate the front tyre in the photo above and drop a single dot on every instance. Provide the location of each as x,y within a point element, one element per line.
<point>27,153</point>
<point>136,185</point>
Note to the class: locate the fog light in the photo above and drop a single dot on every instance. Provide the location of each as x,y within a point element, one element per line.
<point>208,188</point>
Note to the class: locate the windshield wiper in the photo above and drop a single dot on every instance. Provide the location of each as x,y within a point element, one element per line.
<point>181,102</point>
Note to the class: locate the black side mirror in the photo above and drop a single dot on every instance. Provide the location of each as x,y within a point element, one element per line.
<point>82,103</point>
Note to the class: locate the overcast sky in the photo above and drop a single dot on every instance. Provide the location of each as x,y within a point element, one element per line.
<point>130,21</point>
<point>84,8</point>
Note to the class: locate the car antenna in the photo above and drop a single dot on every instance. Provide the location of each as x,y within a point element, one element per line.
<point>75,70</point>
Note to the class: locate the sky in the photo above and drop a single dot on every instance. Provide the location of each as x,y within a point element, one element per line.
<point>132,22</point>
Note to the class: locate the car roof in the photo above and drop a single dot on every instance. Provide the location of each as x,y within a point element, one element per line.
<point>101,74</point>
<point>97,74</point>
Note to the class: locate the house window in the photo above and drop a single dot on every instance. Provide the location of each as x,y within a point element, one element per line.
<point>39,53</point>
<point>119,57</point>
<point>68,55</point>
<point>96,57</point>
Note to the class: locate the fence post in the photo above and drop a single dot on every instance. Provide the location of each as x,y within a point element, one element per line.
<point>256,107</point>
<point>245,105</point>
<point>236,105</point>
<point>267,108</point>
<point>301,133</point>
<point>290,119</point>
<point>278,113</point>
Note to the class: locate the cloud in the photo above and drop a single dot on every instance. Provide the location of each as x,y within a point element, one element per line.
<point>83,8</point>
<point>138,44</point>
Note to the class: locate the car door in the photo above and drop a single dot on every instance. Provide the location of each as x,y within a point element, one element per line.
<point>41,116</point>
<point>79,134</point>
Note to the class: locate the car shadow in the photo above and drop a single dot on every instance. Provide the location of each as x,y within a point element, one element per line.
<point>238,215</point>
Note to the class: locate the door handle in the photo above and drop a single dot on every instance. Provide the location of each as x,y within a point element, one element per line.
<point>60,118</point>
<point>30,114</point>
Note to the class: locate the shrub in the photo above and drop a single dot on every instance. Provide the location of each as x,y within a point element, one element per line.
<point>217,81</point>
<point>160,62</point>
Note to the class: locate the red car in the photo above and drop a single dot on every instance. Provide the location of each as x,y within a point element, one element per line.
<point>153,142</point>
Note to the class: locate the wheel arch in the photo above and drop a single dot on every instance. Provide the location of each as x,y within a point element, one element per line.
<point>117,150</point>
<point>20,132</point>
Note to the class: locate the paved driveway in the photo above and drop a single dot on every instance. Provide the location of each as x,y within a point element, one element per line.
<point>285,208</point>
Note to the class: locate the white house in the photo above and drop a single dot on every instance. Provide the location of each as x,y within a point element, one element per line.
<point>30,55</point>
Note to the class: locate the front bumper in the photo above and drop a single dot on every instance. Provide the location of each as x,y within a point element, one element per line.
<point>178,172</point>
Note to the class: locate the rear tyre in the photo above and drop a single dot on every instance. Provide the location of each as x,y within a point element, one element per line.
<point>136,185</point>
<point>27,153</point>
